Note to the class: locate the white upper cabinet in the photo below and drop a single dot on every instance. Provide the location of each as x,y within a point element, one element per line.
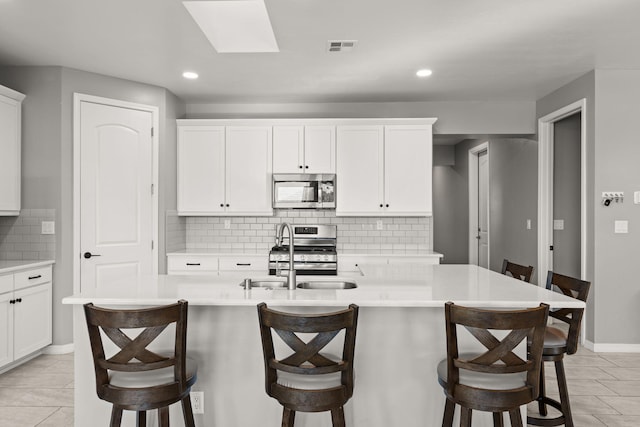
<point>384,170</point>
<point>224,170</point>
<point>201,169</point>
<point>304,149</point>
<point>359,170</point>
<point>408,170</point>
<point>10,147</point>
<point>248,170</point>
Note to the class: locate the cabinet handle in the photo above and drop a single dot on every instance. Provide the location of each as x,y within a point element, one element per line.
<point>222,205</point>
<point>300,166</point>
<point>243,264</point>
<point>387,205</point>
<point>193,263</point>
<point>19,300</point>
<point>12,301</point>
<point>380,204</point>
<point>35,277</point>
<point>306,167</point>
<point>227,204</point>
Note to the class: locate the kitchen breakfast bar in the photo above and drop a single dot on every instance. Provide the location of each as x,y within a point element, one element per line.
<point>400,340</point>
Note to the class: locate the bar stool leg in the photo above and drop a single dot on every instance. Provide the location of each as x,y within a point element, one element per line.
<point>141,419</point>
<point>542,407</point>
<point>337,417</point>
<point>498,420</point>
<point>116,417</point>
<point>449,409</point>
<point>516,417</point>
<point>163,416</point>
<point>564,393</point>
<point>465,417</point>
<point>288,416</point>
<point>187,412</point>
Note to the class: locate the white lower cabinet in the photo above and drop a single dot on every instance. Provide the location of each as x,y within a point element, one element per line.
<point>350,263</point>
<point>192,264</point>
<point>25,313</point>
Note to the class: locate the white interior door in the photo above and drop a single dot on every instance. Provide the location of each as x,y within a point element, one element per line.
<point>116,203</point>
<point>483,209</point>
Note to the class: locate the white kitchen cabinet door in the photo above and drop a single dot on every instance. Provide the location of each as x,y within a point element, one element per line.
<point>248,170</point>
<point>6,328</point>
<point>201,170</point>
<point>359,170</point>
<point>10,149</point>
<point>407,170</point>
<point>288,149</point>
<point>304,149</point>
<point>192,264</point>
<point>32,319</point>
<point>320,149</point>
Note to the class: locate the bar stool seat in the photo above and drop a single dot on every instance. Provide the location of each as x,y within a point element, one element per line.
<point>152,378</point>
<point>483,379</point>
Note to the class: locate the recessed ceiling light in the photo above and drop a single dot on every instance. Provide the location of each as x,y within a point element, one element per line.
<point>424,73</point>
<point>190,75</point>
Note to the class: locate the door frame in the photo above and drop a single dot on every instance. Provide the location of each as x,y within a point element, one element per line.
<point>473,203</point>
<point>545,186</point>
<point>78,98</point>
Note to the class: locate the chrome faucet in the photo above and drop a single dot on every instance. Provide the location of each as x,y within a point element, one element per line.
<point>291,273</point>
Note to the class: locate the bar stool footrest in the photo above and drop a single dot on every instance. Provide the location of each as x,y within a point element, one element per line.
<point>547,422</point>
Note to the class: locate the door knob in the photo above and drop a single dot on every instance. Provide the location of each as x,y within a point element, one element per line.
<point>88,255</point>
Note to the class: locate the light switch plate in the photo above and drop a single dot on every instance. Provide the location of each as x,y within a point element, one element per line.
<point>48,227</point>
<point>558,224</point>
<point>621,226</point>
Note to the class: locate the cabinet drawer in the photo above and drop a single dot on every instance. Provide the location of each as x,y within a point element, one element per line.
<point>6,283</point>
<point>36,276</point>
<point>241,263</point>
<point>192,263</point>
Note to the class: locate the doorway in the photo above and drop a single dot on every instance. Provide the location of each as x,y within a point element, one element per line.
<point>554,130</point>
<point>115,197</point>
<point>479,218</point>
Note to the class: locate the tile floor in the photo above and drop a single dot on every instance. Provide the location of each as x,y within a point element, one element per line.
<point>604,389</point>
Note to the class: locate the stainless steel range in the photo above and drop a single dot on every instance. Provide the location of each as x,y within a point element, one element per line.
<point>314,248</point>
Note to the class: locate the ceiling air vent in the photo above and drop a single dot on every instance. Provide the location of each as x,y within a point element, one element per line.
<point>340,45</point>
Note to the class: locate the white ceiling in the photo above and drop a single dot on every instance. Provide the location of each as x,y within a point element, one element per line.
<point>515,50</point>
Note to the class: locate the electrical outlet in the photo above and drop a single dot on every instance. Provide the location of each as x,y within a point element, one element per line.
<point>197,402</point>
<point>227,224</point>
<point>48,227</point>
<point>379,225</point>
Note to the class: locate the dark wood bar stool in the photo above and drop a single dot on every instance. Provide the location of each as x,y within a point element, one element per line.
<point>557,343</point>
<point>516,270</point>
<point>136,378</point>
<point>497,380</point>
<point>307,380</point>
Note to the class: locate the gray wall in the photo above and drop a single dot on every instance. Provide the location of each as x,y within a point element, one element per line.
<point>612,153</point>
<point>513,200</point>
<point>48,155</point>
<point>471,117</point>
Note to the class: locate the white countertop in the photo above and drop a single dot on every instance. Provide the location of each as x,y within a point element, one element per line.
<point>10,266</point>
<point>218,252</point>
<point>403,285</point>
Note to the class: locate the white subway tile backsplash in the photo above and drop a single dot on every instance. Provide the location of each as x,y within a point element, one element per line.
<point>399,235</point>
<point>21,238</point>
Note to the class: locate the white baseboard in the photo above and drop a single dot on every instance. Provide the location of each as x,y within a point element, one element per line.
<point>612,348</point>
<point>58,349</point>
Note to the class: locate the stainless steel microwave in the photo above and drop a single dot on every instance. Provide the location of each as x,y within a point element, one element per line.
<point>300,191</point>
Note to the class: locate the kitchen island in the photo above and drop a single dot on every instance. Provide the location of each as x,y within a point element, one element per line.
<point>400,339</point>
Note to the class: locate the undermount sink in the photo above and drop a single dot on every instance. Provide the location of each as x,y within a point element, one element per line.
<point>266,284</point>
<point>326,284</point>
